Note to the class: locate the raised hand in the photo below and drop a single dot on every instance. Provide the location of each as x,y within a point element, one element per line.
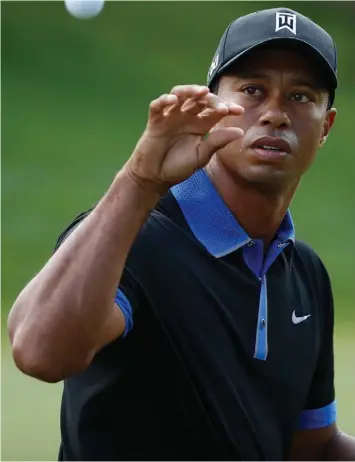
<point>174,143</point>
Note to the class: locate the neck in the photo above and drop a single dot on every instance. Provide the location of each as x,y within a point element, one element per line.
<point>259,212</point>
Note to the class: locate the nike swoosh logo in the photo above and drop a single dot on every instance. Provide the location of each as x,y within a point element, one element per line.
<point>297,320</point>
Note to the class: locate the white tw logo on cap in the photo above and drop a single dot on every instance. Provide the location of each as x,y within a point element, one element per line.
<point>286,21</point>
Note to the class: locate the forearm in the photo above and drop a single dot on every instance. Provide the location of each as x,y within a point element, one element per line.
<point>64,310</point>
<point>61,311</point>
<point>341,447</point>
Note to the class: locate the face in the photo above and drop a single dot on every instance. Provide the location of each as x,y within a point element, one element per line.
<point>285,120</point>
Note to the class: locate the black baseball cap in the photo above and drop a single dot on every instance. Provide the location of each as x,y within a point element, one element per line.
<point>263,27</point>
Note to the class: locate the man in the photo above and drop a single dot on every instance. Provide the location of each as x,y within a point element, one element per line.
<point>219,345</point>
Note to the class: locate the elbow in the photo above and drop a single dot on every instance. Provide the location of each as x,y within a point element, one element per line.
<point>29,360</point>
<point>46,365</point>
<point>34,363</point>
<point>45,352</point>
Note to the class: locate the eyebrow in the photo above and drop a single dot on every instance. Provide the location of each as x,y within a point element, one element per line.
<point>306,83</point>
<point>245,74</point>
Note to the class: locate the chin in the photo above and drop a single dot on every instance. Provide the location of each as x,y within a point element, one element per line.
<point>266,180</point>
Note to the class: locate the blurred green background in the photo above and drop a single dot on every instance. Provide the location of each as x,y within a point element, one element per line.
<point>75,95</point>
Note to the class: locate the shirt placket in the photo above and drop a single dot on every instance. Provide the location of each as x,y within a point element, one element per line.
<point>253,254</point>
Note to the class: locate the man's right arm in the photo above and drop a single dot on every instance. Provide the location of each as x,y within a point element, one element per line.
<point>66,314</point>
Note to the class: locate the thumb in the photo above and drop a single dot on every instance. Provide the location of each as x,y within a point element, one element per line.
<point>216,140</point>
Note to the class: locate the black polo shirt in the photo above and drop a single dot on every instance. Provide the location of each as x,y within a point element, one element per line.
<point>227,349</point>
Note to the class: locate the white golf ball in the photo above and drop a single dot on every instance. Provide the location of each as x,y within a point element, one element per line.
<point>84,9</point>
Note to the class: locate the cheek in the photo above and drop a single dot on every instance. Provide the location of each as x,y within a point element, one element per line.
<point>310,132</point>
<point>309,137</point>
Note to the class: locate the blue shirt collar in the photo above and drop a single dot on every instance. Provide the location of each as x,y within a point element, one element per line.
<point>211,221</point>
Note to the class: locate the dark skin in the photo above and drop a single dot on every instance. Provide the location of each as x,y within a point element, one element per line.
<point>73,292</point>
<point>282,97</point>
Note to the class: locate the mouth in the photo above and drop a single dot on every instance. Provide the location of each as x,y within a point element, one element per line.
<point>271,148</point>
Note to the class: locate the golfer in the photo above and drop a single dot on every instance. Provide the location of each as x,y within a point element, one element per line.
<point>184,317</point>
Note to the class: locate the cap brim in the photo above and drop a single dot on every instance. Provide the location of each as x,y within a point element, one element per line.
<point>333,81</point>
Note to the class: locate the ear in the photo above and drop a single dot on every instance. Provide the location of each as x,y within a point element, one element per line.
<point>327,125</point>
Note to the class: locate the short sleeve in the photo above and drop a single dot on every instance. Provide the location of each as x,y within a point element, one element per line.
<point>128,296</point>
<point>320,408</point>
<point>128,292</point>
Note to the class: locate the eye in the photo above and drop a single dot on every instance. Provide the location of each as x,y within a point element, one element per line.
<point>301,98</point>
<point>252,91</point>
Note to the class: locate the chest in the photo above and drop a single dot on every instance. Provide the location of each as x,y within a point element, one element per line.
<point>211,311</point>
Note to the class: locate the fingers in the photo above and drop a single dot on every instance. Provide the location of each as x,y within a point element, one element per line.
<point>216,104</point>
<point>193,96</point>
<point>192,100</point>
<point>184,92</point>
<point>198,105</point>
<point>217,110</point>
<point>205,107</point>
<point>216,140</point>
<point>193,105</point>
<point>162,102</point>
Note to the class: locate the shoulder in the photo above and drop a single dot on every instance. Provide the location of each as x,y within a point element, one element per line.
<point>164,221</point>
<point>310,265</point>
<point>164,233</point>
<point>310,258</point>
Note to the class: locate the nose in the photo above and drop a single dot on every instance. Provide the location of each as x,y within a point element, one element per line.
<point>275,116</point>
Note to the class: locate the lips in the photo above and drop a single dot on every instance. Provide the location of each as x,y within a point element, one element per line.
<point>269,143</point>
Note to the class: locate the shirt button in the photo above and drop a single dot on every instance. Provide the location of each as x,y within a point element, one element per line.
<point>281,245</point>
<point>262,323</point>
<point>251,243</point>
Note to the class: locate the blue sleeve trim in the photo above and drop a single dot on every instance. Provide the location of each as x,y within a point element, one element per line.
<point>318,418</point>
<point>123,302</point>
